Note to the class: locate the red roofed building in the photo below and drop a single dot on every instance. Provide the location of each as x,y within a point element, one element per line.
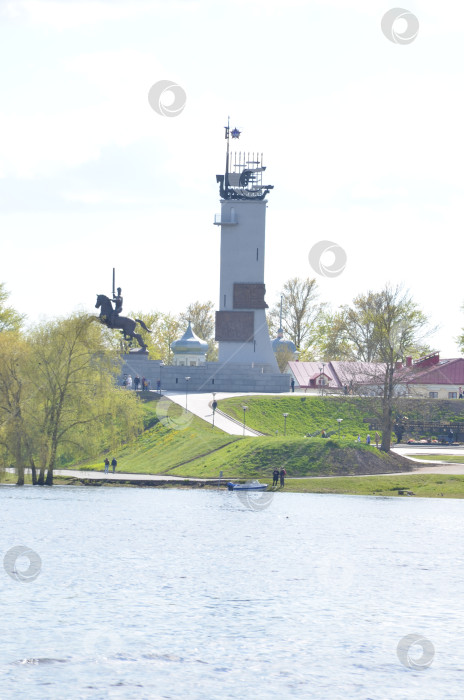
<point>337,376</point>
<point>312,375</point>
<point>437,379</point>
<point>428,377</point>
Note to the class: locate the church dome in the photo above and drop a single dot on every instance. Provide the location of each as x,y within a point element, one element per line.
<point>281,345</point>
<point>189,344</point>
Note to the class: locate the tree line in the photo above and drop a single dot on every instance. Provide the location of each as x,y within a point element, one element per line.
<point>319,333</point>
<point>59,398</point>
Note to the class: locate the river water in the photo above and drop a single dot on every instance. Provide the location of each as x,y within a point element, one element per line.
<point>157,593</point>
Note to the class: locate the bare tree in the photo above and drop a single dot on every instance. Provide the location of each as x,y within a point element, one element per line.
<point>300,313</point>
<point>460,339</point>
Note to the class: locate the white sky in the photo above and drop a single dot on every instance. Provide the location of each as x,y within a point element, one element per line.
<point>362,138</point>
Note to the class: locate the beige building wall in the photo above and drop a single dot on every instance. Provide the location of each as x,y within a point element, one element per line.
<point>442,391</point>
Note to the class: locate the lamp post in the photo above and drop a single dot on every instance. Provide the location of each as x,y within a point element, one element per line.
<point>244,410</point>
<point>339,421</point>
<point>187,379</point>
<point>214,405</point>
<point>285,422</point>
<point>161,365</point>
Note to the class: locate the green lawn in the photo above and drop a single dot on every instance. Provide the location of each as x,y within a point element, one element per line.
<point>424,485</point>
<point>306,414</point>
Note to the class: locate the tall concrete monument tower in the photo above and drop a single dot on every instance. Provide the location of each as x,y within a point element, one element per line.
<point>241,327</point>
<point>246,362</point>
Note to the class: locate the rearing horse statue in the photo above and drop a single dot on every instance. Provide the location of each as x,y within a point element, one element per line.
<point>112,320</point>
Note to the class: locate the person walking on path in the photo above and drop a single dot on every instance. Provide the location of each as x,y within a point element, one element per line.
<point>114,464</point>
<point>136,382</point>
<point>368,439</point>
<point>377,438</point>
<point>129,381</point>
<point>275,477</point>
<point>283,474</point>
<point>107,465</point>
<point>292,384</point>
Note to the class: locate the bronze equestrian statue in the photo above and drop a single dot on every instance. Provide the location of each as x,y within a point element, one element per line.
<point>111,318</point>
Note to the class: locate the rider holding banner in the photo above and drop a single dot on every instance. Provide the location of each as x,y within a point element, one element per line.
<point>117,301</point>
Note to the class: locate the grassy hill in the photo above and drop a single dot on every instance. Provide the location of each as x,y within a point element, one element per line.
<point>308,414</point>
<point>258,457</point>
<point>180,444</point>
<point>170,439</point>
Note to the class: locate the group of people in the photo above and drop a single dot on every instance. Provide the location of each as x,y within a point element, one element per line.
<point>142,384</point>
<point>279,474</point>
<point>114,464</point>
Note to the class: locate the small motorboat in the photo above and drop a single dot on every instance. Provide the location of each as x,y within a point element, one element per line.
<point>247,486</point>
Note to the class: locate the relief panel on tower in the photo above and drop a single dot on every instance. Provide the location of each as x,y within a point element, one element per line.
<point>235,326</point>
<point>249,296</point>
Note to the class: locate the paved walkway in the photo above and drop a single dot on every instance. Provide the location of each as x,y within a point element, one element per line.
<point>200,405</point>
<point>406,450</point>
<point>435,466</point>
<point>123,476</point>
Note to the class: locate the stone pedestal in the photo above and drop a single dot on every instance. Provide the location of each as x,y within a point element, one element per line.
<point>212,376</point>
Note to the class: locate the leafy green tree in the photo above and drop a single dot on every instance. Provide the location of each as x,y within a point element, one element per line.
<point>283,357</point>
<point>15,392</point>
<point>351,333</point>
<point>394,326</point>
<point>77,408</point>
<point>10,319</point>
<point>164,329</point>
<point>330,342</point>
